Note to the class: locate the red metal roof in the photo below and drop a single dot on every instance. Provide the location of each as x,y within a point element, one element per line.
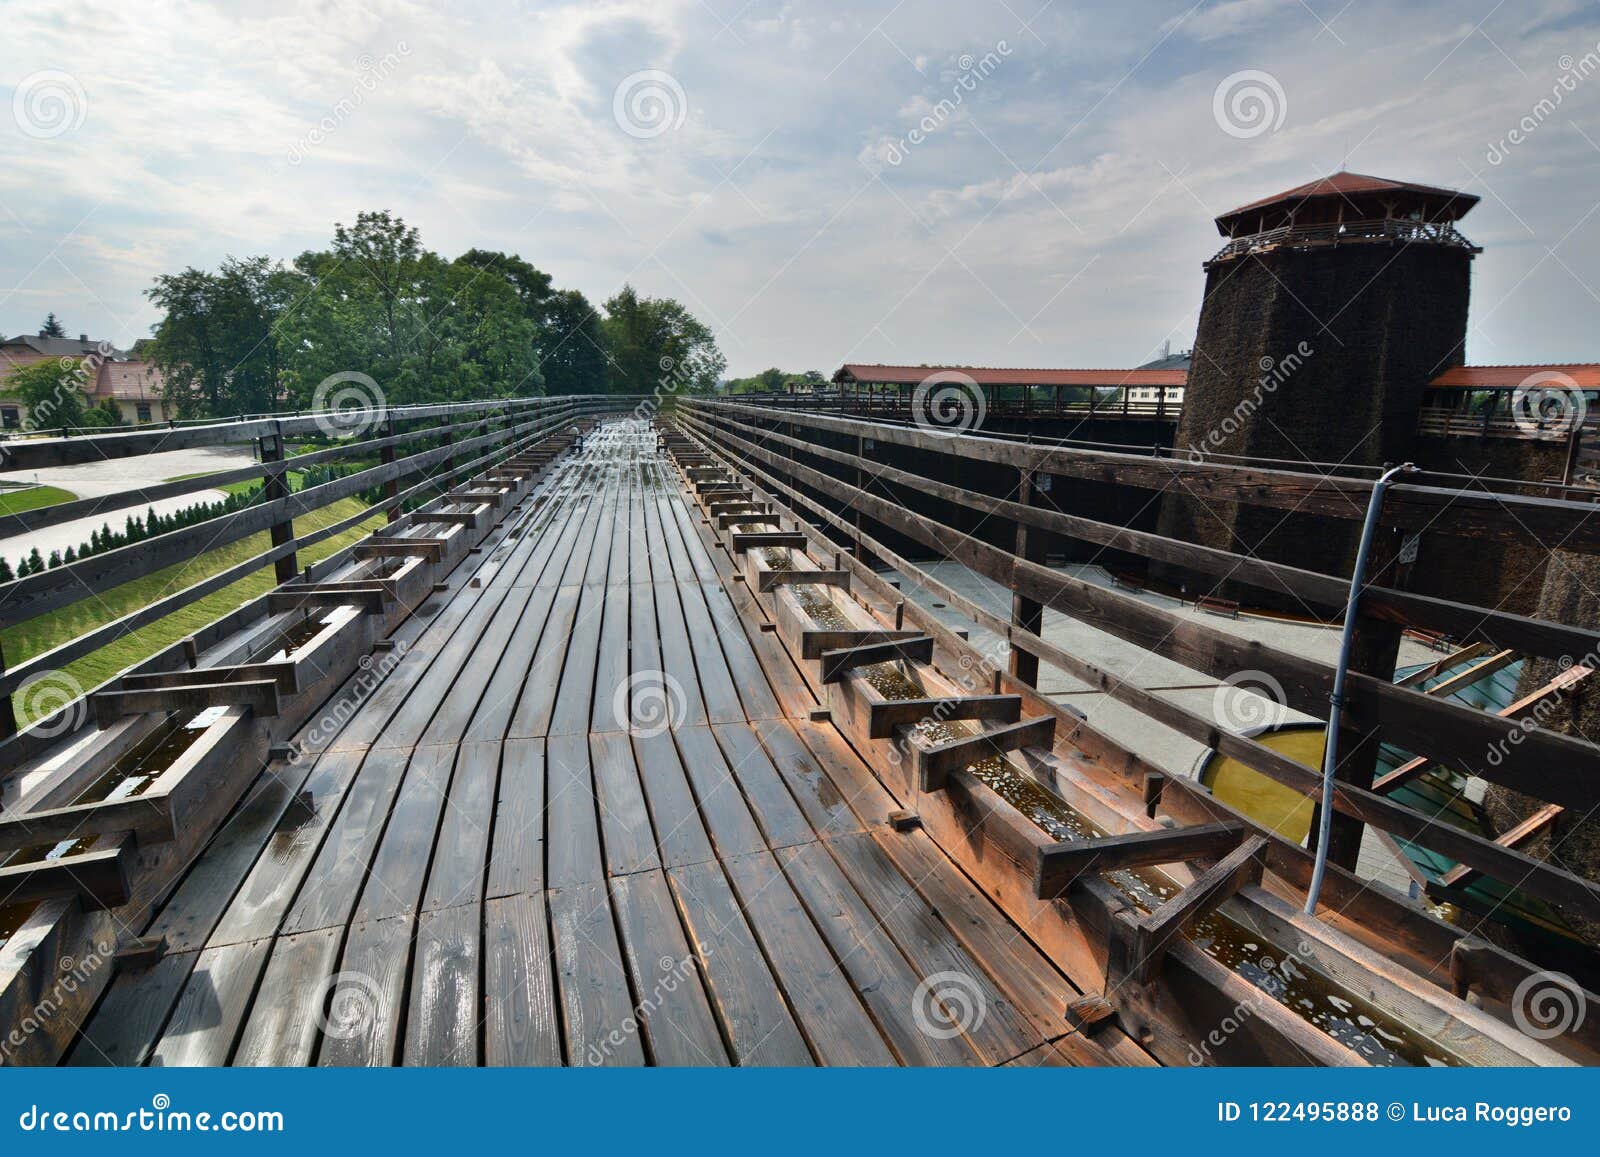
<point>1444,203</point>
<point>1002,376</point>
<point>1585,374</point>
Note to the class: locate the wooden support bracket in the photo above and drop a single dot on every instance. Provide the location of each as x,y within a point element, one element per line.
<point>883,717</point>
<point>766,580</point>
<point>284,672</point>
<point>813,642</point>
<point>140,952</point>
<point>934,764</point>
<point>99,878</point>
<point>1091,1013</point>
<point>1153,931</point>
<point>369,596</point>
<point>835,664</point>
<point>261,696</point>
<point>724,521</point>
<point>149,817</point>
<point>458,517</point>
<point>1058,865</point>
<point>752,539</point>
<point>429,548</point>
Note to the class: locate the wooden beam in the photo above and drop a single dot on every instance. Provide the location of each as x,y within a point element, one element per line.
<point>260,696</point>
<point>1153,931</point>
<point>723,521</point>
<point>429,548</point>
<point>837,664</point>
<point>767,580</point>
<point>369,597</point>
<point>934,764</point>
<point>147,816</point>
<point>458,517</point>
<point>1462,875</point>
<point>1413,768</point>
<point>814,641</point>
<point>883,716</point>
<point>98,877</point>
<point>744,540</point>
<point>284,672</point>
<point>1464,679</point>
<point>1059,865</point>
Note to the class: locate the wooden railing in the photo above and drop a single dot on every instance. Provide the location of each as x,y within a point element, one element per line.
<point>420,451</point>
<point>795,454</point>
<point>1387,229</point>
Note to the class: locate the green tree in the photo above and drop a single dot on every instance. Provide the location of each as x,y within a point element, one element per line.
<point>572,346</point>
<point>655,343</point>
<point>52,390</point>
<point>219,346</point>
<point>52,327</point>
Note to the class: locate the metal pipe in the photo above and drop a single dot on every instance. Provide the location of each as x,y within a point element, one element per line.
<point>1330,747</point>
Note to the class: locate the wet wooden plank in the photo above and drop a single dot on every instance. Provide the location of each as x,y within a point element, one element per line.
<point>442,1025</point>
<point>889,984</point>
<point>211,1009</point>
<point>680,831</point>
<point>462,845</point>
<point>611,661</point>
<point>576,692</point>
<point>829,1010</point>
<point>630,845</point>
<point>393,885</point>
<point>365,1001</point>
<point>994,1026</point>
<point>521,1023</point>
<point>711,664</point>
<point>861,789</point>
<point>572,840</point>
<point>596,1004</point>
<point>825,807</point>
<point>328,892</point>
<point>677,658</point>
<point>285,1019</point>
<point>679,1027</point>
<point>537,702</point>
<point>749,676</point>
<point>125,1026</point>
<point>781,820</point>
<point>722,806</point>
<point>516,863</point>
<point>745,996</point>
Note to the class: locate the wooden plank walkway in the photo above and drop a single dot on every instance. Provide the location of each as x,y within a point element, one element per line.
<point>585,820</point>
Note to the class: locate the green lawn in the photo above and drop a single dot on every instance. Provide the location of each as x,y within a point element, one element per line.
<point>33,498</point>
<point>27,639</point>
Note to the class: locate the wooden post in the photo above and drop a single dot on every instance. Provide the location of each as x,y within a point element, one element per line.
<point>1025,613</point>
<point>391,488</point>
<point>276,486</point>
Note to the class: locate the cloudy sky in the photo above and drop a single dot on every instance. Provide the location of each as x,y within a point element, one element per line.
<point>1001,182</point>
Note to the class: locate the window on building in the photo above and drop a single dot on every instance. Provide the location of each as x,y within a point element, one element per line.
<point>10,417</point>
<point>142,411</point>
